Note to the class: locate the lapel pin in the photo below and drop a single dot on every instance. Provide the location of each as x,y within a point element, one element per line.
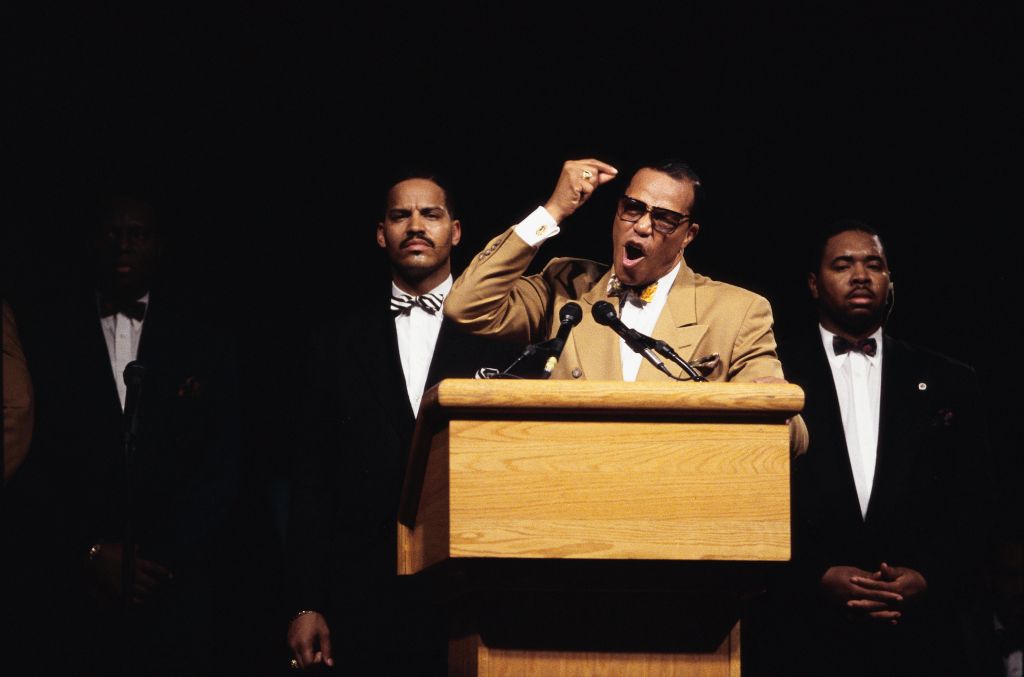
<point>922,386</point>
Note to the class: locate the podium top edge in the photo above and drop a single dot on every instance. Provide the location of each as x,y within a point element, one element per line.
<point>652,397</point>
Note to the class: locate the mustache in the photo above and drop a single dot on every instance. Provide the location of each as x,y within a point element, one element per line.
<point>416,236</point>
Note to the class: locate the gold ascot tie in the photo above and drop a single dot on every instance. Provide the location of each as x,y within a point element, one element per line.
<point>644,294</point>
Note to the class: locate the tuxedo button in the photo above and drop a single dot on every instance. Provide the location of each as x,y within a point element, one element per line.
<point>577,372</point>
<point>922,386</point>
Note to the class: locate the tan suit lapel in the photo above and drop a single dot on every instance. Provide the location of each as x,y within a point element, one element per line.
<point>597,347</point>
<point>676,325</point>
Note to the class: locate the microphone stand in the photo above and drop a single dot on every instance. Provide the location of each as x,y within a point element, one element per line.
<point>549,346</point>
<point>134,374</point>
<point>665,350</point>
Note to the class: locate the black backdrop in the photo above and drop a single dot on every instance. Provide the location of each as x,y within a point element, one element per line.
<point>266,130</point>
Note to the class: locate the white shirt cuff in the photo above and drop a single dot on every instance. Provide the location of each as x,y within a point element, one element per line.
<point>537,227</point>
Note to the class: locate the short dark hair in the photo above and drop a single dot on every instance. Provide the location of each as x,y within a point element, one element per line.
<point>816,252</point>
<point>107,205</point>
<point>426,175</point>
<point>680,171</point>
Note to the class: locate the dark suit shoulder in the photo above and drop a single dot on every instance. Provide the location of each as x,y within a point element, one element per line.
<point>926,357</point>
<point>802,353</point>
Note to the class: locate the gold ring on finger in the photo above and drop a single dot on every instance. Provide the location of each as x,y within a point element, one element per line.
<point>587,174</point>
<point>294,665</point>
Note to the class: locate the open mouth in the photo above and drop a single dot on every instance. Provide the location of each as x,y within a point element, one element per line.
<point>633,253</point>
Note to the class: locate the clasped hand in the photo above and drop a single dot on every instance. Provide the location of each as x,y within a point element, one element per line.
<point>879,596</point>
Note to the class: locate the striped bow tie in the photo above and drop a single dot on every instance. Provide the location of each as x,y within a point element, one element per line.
<point>643,294</point>
<point>403,303</point>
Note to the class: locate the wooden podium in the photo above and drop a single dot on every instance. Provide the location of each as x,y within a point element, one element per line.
<point>597,528</point>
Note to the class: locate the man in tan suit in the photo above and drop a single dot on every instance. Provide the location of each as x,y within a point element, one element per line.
<point>725,330</point>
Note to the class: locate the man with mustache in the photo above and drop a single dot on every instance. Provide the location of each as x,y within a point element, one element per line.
<point>366,382</point>
<point>726,331</point>
<point>886,535</point>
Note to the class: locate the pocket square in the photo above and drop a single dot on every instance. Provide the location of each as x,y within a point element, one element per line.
<point>707,364</point>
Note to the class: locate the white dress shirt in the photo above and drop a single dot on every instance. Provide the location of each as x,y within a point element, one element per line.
<point>122,335</point>
<point>641,316</point>
<point>537,227</point>
<point>858,380</point>
<point>417,337</point>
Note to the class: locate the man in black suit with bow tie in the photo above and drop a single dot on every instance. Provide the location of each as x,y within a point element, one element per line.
<point>369,372</point>
<point>183,486</point>
<point>886,499</point>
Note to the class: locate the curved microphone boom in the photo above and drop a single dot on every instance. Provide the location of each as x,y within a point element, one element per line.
<point>604,313</point>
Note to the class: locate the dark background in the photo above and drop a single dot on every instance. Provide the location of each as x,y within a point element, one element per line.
<point>266,132</point>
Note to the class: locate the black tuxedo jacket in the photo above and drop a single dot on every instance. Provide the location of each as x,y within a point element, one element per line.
<point>185,466</point>
<point>351,462</point>
<point>184,484</point>
<point>926,508</point>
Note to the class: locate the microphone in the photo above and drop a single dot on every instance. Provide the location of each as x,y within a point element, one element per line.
<point>605,314</point>
<point>569,316</point>
<point>134,375</point>
<point>666,350</point>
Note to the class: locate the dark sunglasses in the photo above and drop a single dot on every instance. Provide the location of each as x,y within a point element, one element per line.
<point>663,220</point>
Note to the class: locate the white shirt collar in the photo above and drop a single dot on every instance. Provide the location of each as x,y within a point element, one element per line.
<point>441,289</point>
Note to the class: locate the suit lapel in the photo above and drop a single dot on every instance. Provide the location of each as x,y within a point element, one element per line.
<point>897,411</point>
<point>677,324</point>
<point>97,357</point>
<point>446,343</point>
<point>597,347</point>
<point>829,436</point>
<point>379,344</point>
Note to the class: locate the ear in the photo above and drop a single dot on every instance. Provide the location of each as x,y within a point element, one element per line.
<point>456,232</point>
<point>812,284</point>
<point>380,236</point>
<point>691,233</point>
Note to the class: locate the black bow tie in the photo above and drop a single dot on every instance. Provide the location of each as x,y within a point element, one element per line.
<point>841,346</point>
<point>403,303</point>
<point>135,310</point>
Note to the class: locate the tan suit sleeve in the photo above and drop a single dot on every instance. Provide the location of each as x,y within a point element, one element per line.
<point>18,398</point>
<point>755,356</point>
<point>492,298</point>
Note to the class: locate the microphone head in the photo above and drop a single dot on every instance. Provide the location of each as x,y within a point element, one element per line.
<point>604,313</point>
<point>134,373</point>
<point>571,313</point>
